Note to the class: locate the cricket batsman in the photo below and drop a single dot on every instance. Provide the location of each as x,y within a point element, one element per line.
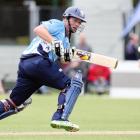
<point>38,66</point>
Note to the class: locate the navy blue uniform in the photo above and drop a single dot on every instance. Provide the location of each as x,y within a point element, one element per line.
<point>37,66</point>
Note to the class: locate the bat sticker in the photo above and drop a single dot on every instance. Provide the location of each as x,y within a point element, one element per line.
<point>84,55</point>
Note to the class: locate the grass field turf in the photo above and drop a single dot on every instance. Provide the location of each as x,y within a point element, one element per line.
<point>93,114</point>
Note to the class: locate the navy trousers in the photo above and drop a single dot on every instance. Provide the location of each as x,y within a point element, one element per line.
<point>33,72</point>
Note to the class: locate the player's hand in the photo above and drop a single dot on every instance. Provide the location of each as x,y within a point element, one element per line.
<point>58,47</point>
<point>68,54</point>
<point>65,54</point>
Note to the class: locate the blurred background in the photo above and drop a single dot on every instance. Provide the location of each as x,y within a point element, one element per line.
<point>113,29</point>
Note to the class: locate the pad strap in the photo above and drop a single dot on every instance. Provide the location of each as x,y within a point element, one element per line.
<point>6,105</point>
<point>12,103</point>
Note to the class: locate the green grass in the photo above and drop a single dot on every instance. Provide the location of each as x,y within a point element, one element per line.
<point>92,113</point>
<point>71,138</point>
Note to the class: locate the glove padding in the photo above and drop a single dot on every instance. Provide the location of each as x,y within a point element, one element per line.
<point>68,54</point>
<point>65,54</point>
<point>58,47</point>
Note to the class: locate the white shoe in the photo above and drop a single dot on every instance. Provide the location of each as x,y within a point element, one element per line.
<point>68,126</point>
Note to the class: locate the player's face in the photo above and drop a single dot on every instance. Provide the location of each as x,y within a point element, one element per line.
<point>74,24</point>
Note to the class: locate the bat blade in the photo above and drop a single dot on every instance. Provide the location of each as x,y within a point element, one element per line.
<point>95,58</point>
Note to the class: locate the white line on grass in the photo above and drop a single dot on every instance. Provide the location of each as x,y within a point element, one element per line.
<point>80,133</point>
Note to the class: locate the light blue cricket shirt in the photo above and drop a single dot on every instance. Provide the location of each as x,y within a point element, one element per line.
<point>57,29</point>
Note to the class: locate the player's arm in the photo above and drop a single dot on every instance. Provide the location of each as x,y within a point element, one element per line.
<point>57,45</point>
<point>43,33</point>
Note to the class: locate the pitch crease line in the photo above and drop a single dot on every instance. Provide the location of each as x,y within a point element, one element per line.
<point>81,133</point>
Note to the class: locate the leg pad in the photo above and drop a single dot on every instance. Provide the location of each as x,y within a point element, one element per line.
<point>72,95</point>
<point>8,108</point>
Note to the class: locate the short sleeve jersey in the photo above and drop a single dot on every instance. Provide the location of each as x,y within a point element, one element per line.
<point>57,29</point>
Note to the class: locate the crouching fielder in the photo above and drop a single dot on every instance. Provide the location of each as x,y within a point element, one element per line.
<point>38,67</point>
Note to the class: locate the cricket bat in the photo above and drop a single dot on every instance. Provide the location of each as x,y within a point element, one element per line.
<point>95,58</point>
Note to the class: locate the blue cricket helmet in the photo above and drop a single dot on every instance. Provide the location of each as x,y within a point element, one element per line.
<point>74,12</point>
